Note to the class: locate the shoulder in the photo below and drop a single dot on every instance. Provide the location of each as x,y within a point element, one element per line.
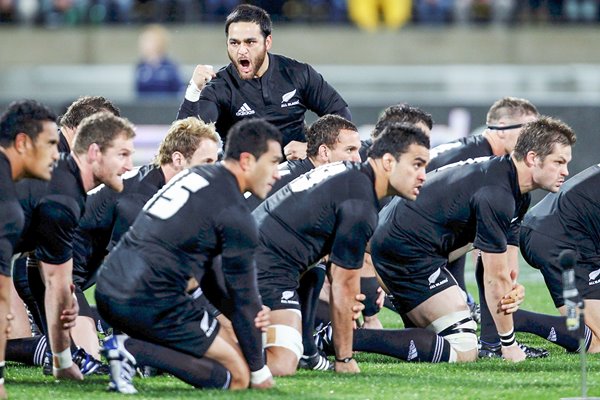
<point>293,69</point>
<point>287,61</point>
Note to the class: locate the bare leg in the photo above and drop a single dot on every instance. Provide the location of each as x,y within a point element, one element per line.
<point>20,326</point>
<point>283,361</point>
<point>84,335</point>
<point>231,358</point>
<point>441,304</point>
<point>5,285</point>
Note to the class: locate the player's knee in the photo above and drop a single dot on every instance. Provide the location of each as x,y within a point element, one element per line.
<point>240,376</point>
<point>459,329</point>
<point>595,343</point>
<point>284,348</point>
<point>280,363</point>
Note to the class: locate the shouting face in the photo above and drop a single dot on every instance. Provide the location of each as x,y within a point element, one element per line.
<point>247,49</point>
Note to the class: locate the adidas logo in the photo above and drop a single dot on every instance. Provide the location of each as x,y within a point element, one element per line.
<point>552,336</point>
<point>244,110</point>
<point>413,354</point>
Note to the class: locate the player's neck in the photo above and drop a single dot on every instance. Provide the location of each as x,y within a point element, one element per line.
<point>524,176</point>
<point>495,143</point>
<point>382,181</point>
<point>316,161</point>
<point>169,171</point>
<point>264,67</point>
<point>69,134</point>
<point>16,166</point>
<point>234,167</point>
<point>85,171</point>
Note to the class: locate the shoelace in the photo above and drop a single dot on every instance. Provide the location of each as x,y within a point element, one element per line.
<point>127,371</point>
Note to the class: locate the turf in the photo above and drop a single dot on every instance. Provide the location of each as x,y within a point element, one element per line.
<point>382,377</point>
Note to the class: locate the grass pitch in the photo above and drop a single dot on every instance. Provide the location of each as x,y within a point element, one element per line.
<point>382,377</point>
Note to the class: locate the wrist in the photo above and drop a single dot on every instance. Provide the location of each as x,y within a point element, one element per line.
<point>62,360</point>
<point>344,360</point>
<point>260,376</point>
<point>192,93</point>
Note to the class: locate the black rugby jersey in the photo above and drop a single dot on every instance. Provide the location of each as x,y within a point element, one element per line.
<point>63,145</point>
<point>572,215</point>
<point>281,96</point>
<point>12,219</point>
<point>329,210</point>
<point>52,210</point>
<point>109,214</point>
<point>473,146</point>
<point>199,215</point>
<point>288,171</point>
<point>476,201</point>
<point>136,192</point>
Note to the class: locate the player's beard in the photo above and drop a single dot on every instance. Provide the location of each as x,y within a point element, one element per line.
<point>255,62</point>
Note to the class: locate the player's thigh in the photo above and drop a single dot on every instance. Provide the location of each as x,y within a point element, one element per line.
<point>227,331</point>
<point>445,302</point>
<point>592,320</point>
<point>283,341</point>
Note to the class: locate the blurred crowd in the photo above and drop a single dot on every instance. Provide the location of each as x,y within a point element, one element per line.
<point>367,14</point>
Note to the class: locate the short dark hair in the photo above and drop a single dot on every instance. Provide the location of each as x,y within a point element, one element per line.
<point>250,13</point>
<point>541,135</point>
<point>26,116</point>
<point>101,128</point>
<point>401,113</point>
<point>250,136</point>
<point>509,107</point>
<point>85,106</point>
<point>326,130</point>
<point>396,138</point>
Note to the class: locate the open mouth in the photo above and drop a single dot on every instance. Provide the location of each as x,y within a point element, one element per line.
<point>245,65</point>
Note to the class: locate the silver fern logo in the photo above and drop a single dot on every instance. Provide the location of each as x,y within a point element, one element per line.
<point>288,96</point>
<point>287,297</point>
<point>286,99</point>
<point>594,277</point>
<point>433,277</point>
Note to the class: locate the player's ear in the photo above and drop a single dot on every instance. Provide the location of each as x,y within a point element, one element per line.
<point>22,142</point>
<point>530,158</point>
<point>177,159</point>
<point>324,153</point>
<point>268,42</point>
<point>93,152</point>
<point>388,161</point>
<point>246,161</point>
